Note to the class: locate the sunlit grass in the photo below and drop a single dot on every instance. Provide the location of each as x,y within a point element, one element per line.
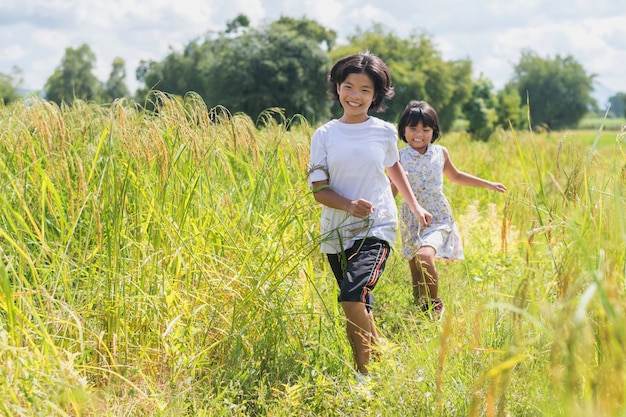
<point>168,263</point>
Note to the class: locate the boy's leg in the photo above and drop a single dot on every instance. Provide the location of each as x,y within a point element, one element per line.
<point>358,326</point>
<point>373,330</point>
<point>365,263</point>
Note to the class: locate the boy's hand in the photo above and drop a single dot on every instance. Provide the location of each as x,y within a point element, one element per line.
<point>360,208</point>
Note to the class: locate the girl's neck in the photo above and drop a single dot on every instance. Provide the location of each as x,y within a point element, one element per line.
<point>422,150</point>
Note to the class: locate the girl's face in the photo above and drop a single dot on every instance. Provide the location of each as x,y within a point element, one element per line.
<point>356,94</point>
<point>419,136</point>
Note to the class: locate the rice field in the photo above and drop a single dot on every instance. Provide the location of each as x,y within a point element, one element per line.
<point>167,264</point>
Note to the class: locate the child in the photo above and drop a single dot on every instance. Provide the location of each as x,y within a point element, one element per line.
<point>346,173</point>
<point>425,164</point>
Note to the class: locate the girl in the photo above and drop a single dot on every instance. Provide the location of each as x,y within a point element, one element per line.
<point>425,164</point>
<point>346,173</point>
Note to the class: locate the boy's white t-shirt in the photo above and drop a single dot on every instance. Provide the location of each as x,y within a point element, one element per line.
<point>353,157</point>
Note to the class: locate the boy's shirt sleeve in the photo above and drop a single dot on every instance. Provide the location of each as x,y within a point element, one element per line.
<point>318,163</point>
<point>392,156</point>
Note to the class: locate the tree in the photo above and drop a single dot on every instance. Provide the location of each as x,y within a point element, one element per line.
<point>276,65</point>
<point>9,86</point>
<point>509,109</point>
<point>558,90</point>
<point>179,72</point>
<point>418,72</point>
<point>74,79</point>
<point>115,87</point>
<point>618,105</point>
<point>241,21</point>
<point>271,67</point>
<point>308,29</point>
<point>480,109</point>
<point>486,110</point>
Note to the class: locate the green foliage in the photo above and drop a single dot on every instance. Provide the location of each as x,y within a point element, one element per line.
<point>480,110</point>
<point>178,73</point>
<point>509,109</point>
<point>115,87</point>
<point>272,67</point>
<point>558,90</point>
<point>618,105</point>
<point>9,86</point>
<point>74,78</point>
<point>241,21</point>
<point>486,113</point>
<point>283,65</point>
<point>309,29</point>
<point>280,65</point>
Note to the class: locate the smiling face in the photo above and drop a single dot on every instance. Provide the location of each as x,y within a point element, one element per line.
<point>419,136</point>
<point>356,94</point>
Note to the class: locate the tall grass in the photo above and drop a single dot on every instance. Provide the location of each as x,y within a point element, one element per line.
<point>168,263</point>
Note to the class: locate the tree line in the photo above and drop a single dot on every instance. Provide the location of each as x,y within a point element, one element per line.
<point>284,64</point>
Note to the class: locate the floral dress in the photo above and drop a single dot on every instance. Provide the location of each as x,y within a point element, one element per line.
<point>425,174</point>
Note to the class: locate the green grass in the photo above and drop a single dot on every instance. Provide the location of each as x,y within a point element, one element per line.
<point>168,264</point>
<point>593,123</point>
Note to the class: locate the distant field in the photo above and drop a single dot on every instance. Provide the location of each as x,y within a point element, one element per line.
<point>596,122</point>
<point>589,124</point>
<point>586,137</point>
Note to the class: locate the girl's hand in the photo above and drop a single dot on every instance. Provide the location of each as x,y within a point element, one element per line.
<point>424,217</point>
<point>496,186</point>
<point>360,208</point>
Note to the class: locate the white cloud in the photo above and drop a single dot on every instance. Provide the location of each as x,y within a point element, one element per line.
<point>491,33</point>
<point>14,53</point>
<point>327,12</point>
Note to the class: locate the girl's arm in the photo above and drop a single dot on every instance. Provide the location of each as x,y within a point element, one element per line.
<point>325,195</point>
<point>401,183</point>
<point>463,178</point>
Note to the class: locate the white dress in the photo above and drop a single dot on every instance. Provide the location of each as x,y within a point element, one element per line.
<point>425,174</point>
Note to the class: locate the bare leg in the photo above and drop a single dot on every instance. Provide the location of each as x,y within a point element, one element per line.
<point>424,274</point>
<point>359,327</point>
<point>373,330</point>
<point>375,337</point>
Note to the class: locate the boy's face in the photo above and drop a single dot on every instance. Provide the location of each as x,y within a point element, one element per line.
<point>356,94</point>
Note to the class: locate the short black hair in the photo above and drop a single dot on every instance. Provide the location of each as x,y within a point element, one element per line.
<point>419,111</point>
<point>363,63</point>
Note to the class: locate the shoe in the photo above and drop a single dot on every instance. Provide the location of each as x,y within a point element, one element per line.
<point>363,386</point>
<point>437,308</point>
<point>434,308</point>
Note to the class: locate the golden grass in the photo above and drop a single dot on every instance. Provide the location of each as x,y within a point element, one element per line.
<point>166,262</point>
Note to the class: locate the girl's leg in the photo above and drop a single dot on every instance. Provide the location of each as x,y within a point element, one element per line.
<point>424,275</point>
<point>359,327</point>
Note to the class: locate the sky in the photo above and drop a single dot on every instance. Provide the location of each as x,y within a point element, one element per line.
<point>34,34</point>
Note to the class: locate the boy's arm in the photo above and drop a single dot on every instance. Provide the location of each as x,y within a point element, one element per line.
<point>324,194</point>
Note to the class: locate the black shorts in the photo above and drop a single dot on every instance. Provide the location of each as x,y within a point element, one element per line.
<point>357,269</point>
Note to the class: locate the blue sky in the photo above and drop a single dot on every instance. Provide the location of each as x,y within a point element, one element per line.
<point>491,33</point>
